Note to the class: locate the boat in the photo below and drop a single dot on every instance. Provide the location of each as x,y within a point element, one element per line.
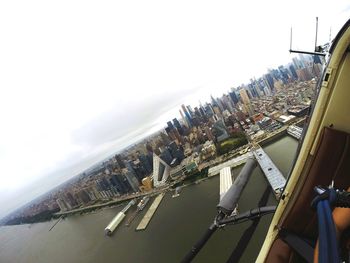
<point>245,150</point>
<point>141,205</point>
<point>177,192</point>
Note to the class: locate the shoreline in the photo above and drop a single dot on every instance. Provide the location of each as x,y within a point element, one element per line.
<point>93,209</point>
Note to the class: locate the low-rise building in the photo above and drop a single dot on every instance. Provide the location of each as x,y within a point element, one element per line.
<point>208,151</point>
<point>286,119</point>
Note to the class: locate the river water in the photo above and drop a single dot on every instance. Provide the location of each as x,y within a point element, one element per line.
<point>175,227</point>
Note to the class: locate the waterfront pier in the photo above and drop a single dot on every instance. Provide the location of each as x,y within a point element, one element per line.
<point>272,173</point>
<point>148,216</point>
<point>57,221</point>
<point>225,180</point>
<point>230,163</point>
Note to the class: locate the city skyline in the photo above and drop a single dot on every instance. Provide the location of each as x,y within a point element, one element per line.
<point>233,107</point>
<point>73,133</point>
<point>157,128</point>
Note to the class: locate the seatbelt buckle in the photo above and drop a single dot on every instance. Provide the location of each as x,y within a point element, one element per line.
<point>322,194</point>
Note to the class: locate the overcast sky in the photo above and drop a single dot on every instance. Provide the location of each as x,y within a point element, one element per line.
<point>79,80</point>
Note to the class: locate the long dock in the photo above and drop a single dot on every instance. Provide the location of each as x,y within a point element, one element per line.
<point>225,180</point>
<point>58,220</point>
<point>148,216</point>
<point>272,173</point>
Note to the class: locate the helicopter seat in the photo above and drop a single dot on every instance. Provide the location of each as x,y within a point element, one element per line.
<point>331,162</point>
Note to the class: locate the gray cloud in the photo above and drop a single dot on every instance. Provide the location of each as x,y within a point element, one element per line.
<point>104,135</point>
<point>121,121</point>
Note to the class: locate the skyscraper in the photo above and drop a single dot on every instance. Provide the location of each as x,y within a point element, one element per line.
<point>119,161</point>
<point>145,163</point>
<point>165,138</point>
<point>187,115</point>
<point>170,125</point>
<point>213,101</point>
<point>166,155</point>
<point>176,123</point>
<point>220,105</point>
<point>293,71</point>
<point>297,63</point>
<point>217,111</point>
<point>178,126</point>
<point>117,184</point>
<point>209,110</point>
<point>189,110</point>
<point>202,111</point>
<point>284,74</point>
<point>252,89</point>
<point>197,113</point>
<point>132,180</point>
<point>176,152</point>
<point>219,129</point>
<point>170,133</point>
<point>268,79</point>
<point>184,119</point>
<point>122,183</point>
<point>233,96</point>
<point>244,96</point>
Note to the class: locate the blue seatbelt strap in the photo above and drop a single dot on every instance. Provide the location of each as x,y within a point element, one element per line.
<point>328,245</point>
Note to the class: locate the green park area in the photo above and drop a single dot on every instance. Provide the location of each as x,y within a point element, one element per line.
<point>231,143</point>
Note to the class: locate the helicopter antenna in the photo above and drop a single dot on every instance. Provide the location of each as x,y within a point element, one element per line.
<point>316,33</point>
<point>291,50</point>
<point>291,38</point>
